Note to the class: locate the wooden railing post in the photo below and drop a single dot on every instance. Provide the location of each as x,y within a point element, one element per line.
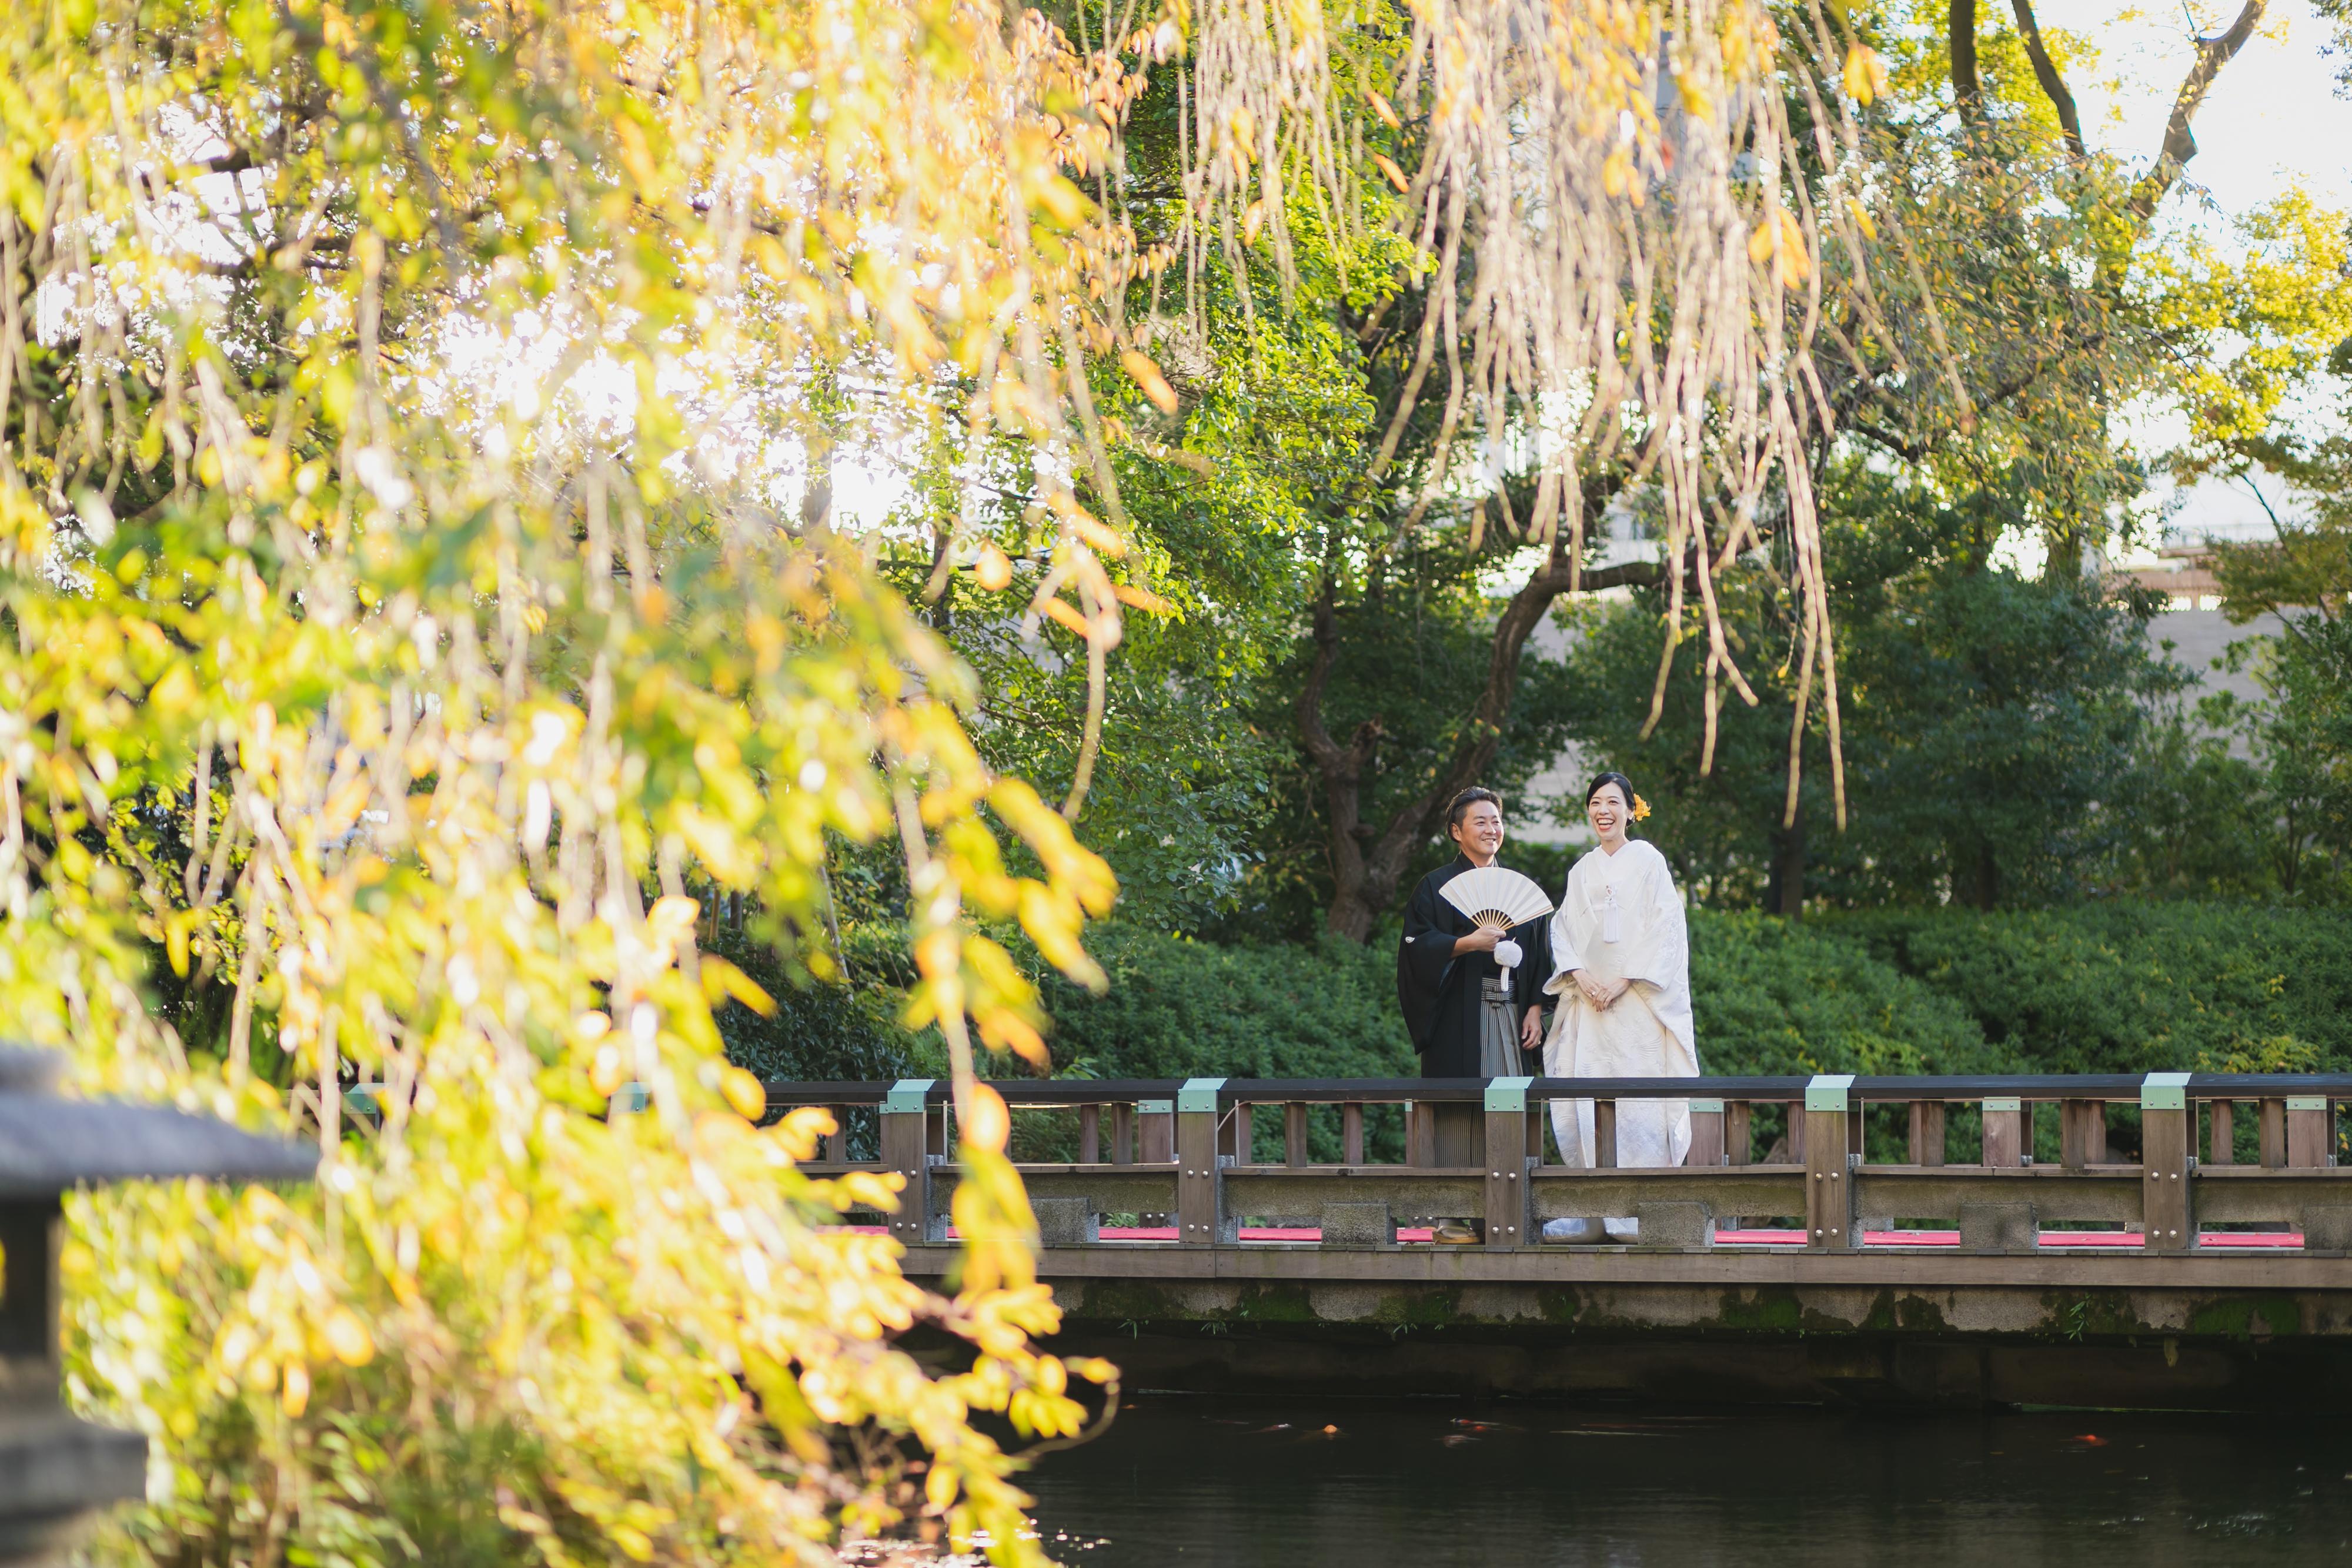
<point>2167,1133</point>
<point>1604,1134</point>
<point>836,1143</point>
<point>2310,1137</point>
<point>1927,1131</point>
<point>2221,1148</point>
<point>1200,1174</point>
<point>1294,1135</point>
<point>1829,1165</point>
<point>1122,1133</point>
<point>1738,1133</point>
<point>1155,1131</point>
<point>906,1126</point>
<point>2005,1143</point>
<point>2082,1133</point>
<point>2273,1134</point>
<point>1352,1133</point>
<point>1237,1137</point>
<point>1707,1133</point>
<point>1089,1134</point>
<point>1507,1164</point>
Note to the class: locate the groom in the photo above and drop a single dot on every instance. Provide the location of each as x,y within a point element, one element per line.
<point>1452,988</point>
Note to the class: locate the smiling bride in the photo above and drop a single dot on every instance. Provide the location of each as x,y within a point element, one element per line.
<point>1620,960</point>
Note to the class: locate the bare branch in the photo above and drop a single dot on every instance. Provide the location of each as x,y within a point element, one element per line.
<point>2180,141</point>
<point>2045,71</point>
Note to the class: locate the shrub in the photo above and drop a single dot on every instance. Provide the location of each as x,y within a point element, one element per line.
<point>1774,997</point>
<point>2135,988</point>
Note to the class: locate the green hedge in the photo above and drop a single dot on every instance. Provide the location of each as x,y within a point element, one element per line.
<point>2122,988</point>
<point>2135,988</point>
<point>1774,997</point>
<point>1179,1007</point>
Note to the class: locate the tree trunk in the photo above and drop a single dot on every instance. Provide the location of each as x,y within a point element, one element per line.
<point>2063,567</point>
<point>1975,876</point>
<point>1786,894</point>
<point>1968,92</point>
<point>1368,863</point>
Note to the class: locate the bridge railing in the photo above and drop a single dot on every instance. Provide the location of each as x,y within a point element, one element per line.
<point>1857,1161</point>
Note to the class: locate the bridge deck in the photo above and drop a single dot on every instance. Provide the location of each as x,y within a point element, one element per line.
<point>1898,1240</point>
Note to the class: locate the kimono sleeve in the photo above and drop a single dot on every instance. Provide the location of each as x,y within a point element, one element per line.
<point>1424,955</point>
<point>1564,957</point>
<point>1662,956</point>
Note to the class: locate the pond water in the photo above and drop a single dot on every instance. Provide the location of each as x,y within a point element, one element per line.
<point>1383,1485</point>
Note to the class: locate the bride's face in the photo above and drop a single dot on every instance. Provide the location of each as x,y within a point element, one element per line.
<point>1606,811</point>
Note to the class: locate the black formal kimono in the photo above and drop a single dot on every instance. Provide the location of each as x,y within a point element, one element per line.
<point>1442,996</point>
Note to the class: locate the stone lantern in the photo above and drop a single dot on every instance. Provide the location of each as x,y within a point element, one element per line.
<point>57,1471</point>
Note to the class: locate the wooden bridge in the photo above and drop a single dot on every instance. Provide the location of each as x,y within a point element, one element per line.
<point>2179,1239</point>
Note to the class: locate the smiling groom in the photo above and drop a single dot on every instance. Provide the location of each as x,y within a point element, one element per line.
<point>1466,992</point>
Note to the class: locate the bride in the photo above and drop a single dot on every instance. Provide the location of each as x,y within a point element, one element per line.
<point>1620,960</point>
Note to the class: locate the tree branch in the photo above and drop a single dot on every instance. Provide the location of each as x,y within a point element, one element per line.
<point>2180,141</point>
<point>2045,71</point>
<point>1417,821</point>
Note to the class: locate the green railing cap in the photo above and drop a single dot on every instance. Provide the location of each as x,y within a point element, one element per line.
<point>1199,1094</point>
<point>1508,1093</point>
<point>2003,1103</point>
<point>1828,1091</point>
<point>2163,1092</point>
<point>2306,1101</point>
<point>1155,1107</point>
<point>1706,1107</point>
<point>908,1095</point>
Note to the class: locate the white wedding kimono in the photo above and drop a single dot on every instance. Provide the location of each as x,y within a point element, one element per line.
<point>1620,919</point>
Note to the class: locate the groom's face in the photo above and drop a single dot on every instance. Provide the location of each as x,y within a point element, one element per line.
<point>1480,832</point>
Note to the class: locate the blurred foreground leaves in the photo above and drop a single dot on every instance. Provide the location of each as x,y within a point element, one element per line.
<point>403,633</point>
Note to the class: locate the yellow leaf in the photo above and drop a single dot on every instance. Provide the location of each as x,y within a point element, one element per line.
<point>1104,539</point>
<point>1143,599</point>
<point>1380,107</point>
<point>1617,172</point>
<point>990,1122</point>
<point>1061,610</point>
<point>348,1338</point>
<point>1395,175</point>
<point>670,920</point>
<point>606,1074</point>
<point>1795,262</point>
<point>743,1092</point>
<point>721,978</point>
<point>295,1398</point>
<point>1865,74</point>
<point>1146,374</point>
<point>994,569</point>
<point>176,937</point>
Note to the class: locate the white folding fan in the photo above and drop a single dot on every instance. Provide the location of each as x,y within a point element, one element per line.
<point>1496,900</point>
